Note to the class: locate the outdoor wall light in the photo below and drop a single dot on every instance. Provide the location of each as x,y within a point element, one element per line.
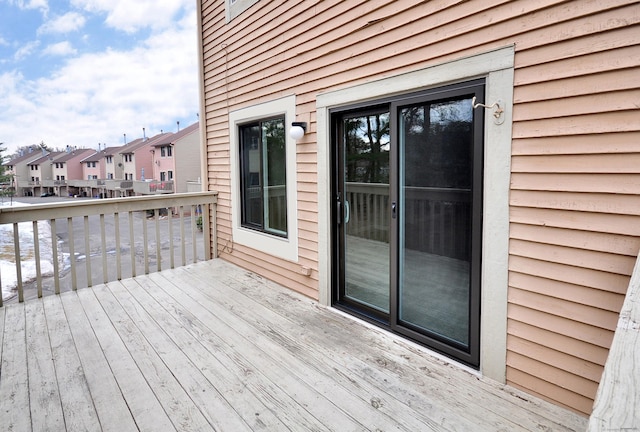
<point>297,130</point>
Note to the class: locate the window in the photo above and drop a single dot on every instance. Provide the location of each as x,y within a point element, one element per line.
<point>163,152</point>
<point>170,175</point>
<point>91,164</point>
<point>263,176</point>
<point>128,157</point>
<point>109,159</point>
<point>62,178</point>
<point>110,176</point>
<point>234,8</point>
<point>163,176</point>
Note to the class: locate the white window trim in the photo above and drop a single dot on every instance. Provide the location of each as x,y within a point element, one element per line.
<point>286,248</point>
<point>497,68</point>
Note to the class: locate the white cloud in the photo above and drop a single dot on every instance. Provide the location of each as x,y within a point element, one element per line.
<point>59,49</point>
<point>131,16</point>
<point>66,23</point>
<point>26,50</point>
<point>3,41</point>
<point>42,5</point>
<point>99,96</point>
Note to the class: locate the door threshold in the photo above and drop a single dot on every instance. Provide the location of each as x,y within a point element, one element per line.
<point>399,338</point>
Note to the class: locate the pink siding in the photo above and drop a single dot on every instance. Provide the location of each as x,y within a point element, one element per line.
<point>575,225</point>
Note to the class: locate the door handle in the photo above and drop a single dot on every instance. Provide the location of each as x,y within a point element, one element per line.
<point>347,212</point>
<point>393,210</point>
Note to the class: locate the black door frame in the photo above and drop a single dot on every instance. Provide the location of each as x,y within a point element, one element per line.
<point>469,355</point>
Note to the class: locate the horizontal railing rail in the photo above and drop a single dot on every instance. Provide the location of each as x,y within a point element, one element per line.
<point>428,214</point>
<point>153,187</point>
<point>113,234</point>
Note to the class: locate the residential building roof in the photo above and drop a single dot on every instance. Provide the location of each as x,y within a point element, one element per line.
<point>67,156</point>
<point>48,157</point>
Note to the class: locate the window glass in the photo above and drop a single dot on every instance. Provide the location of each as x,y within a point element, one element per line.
<point>263,176</point>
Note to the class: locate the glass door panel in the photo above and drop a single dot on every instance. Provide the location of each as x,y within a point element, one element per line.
<point>435,218</point>
<point>366,210</point>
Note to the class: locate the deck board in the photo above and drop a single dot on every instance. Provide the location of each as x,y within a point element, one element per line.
<point>44,397</point>
<point>210,346</point>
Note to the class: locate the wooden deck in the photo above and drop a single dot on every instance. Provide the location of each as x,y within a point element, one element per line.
<point>213,347</point>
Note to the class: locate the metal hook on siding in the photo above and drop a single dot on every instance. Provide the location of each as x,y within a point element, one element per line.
<point>497,114</point>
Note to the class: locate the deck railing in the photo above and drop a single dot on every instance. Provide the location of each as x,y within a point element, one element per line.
<point>152,187</point>
<point>116,238</point>
<point>435,219</point>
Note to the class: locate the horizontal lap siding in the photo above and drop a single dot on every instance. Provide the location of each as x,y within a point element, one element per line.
<point>574,199</point>
<point>576,146</point>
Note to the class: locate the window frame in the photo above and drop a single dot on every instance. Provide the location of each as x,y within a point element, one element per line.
<point>233,8</point>
<point>282,247</point>
<point>260,147</point>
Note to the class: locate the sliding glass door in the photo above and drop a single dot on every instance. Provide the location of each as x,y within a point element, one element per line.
<point>408,213</point>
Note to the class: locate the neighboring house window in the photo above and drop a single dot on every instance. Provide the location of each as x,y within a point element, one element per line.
<point>169,151</point>
<point>128,158</point>
<point>110,176</point>
<point>163,176</point>
<point>263,186</point>
<point>170,175</point>
<point>109,159</point>
<point>233,8</point>
<point>163,152</point>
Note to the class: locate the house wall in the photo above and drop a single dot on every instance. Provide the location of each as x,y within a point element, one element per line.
<point>162,164</point>
<point>91,171</point>
<point>574,226</point>
<point>142,158</point>
<point>186,154</point>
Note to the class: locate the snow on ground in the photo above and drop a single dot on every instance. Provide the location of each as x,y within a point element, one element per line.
<point>8,273</point>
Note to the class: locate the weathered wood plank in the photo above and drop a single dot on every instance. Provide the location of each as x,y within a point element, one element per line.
<point>44,396</point>
<point>172,397</point>
<point>252,364</point>
<point>109,403</point>
<point>14,379</point>
<point>75,397</point>
<point>368,374</point>
<point>199,380</point>
<point>141,402</point>
<point>618,396</point>
<point>446,380</point>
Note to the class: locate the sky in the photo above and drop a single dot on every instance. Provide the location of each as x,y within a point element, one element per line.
<point>83,72</point>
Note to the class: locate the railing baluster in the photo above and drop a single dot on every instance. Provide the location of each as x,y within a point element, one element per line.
<point>103,240</point>
<point>16,242</point>
<point>72,254</point>
<point>116,223</point>
<point>36,253</point>
<point>193,232</point>
<point>54,251</point>
<point>183,252</point>
<point>170,219</point>
<point>158,245</point>
<point>87,251</point>
<point>145,244</point>
<point>132,246</point>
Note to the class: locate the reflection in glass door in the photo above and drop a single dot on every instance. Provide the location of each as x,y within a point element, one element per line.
<point>435,217</point>
<point>365,192</point>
